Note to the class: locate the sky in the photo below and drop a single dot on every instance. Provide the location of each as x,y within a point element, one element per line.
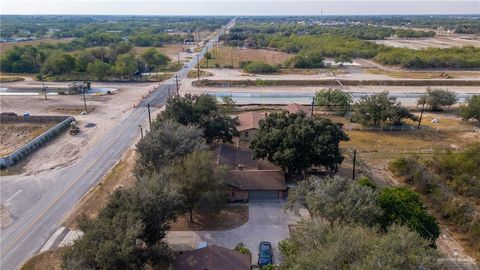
<point>239,7</point>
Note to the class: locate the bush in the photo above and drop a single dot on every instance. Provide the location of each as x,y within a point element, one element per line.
<point>240,247</point>
<point>259,68</point>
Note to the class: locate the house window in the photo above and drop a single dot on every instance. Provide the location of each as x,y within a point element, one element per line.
<point>246,134</point>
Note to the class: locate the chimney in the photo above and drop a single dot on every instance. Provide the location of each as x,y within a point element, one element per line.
<point>240,167</point>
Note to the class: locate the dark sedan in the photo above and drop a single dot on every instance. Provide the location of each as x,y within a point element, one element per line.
<point>265,254</point>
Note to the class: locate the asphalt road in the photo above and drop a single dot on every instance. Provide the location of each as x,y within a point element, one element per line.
<point>40,219</point>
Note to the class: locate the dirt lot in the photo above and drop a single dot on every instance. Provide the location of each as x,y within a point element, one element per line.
<point>5,46</point>
<point>14,135</point>
<point>228,56</point>
<point>440,41</point>
<point>170,50</point>
<point>231,216</point>
<point>109,109</point>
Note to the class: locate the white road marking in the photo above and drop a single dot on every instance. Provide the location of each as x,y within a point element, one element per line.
<point>13,196</point>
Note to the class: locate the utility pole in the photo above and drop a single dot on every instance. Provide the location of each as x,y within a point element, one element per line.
<point>313,105</point>
<point>176,82</point>
<point>421,113</point>
<point>149,116</point>
<point>84,100</point>
<point>198,68</point>
<point>354,162</point>
<point>141,130</point>
<point>178,57</point>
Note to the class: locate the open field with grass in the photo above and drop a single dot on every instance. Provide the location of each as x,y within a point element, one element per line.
<point>5,46</point>
<point>422,75</point>
<point>14,135</point>
<point>170,50</point>
<point>7,79</point>
<point>228,57</point>
<point>441,41</point>
<point>48,260</point>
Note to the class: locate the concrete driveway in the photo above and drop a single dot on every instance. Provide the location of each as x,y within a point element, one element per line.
<point>268,221</point>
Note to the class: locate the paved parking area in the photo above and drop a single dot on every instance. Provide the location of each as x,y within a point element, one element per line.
<point>268,221</point>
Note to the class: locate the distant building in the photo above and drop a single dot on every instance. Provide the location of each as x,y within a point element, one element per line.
<point>296,108</point>
<point>212,258</point>
<point>249,124</point>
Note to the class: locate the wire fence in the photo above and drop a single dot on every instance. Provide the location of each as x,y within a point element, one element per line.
<point>408,128</point>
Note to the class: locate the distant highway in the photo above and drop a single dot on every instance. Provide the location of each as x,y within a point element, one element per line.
<point>40,219</point>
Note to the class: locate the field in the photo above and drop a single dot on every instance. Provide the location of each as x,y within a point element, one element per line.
<point>436,42</point>
<point>228,56</point>
<point>5,46</point>
<point>14,135</point>
<point>422,75</point>
<point>170,50</point>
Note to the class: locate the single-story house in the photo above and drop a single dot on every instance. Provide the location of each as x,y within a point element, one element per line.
<point>212,258</point>
<point>249,124</point>
<point>255,185</point>
<point>295,108</point>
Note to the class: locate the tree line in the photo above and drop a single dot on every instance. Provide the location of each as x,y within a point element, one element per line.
<point>311,49</point>
<point>97,63</point>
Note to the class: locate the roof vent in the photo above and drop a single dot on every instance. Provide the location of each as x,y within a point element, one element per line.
<point>240,167</point>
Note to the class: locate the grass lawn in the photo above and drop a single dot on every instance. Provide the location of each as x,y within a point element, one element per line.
<point>228,56</point>
<point>48,260</point>
<point>229,217</point>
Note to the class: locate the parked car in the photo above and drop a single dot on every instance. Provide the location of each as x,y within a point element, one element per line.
<point>265,254</point>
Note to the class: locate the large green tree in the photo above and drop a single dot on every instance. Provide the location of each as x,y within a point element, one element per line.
<point>125,65</point>
<point>436,99</point>
<point>403,206</point>
<point>99,69</point>
<point>129,231</point>
<point>471,109</point>
<point>153,58</point>
<point>313,245</point>
<point>59,63</point>
<point>338,200</point>
<point>199,182</point>
<point>165,143</point>
<point>295,142</point>
<point>203,111</point>
<point>334,100</point>
<point>380,110</point>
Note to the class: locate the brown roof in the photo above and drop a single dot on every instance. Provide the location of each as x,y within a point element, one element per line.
<point>249,120</point>
<point>295,108</point>
<point>256,179</point>
<point>232,156</point>
<point>212,258</point>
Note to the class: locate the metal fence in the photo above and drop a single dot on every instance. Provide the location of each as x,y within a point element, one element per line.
<point>34,144</point>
